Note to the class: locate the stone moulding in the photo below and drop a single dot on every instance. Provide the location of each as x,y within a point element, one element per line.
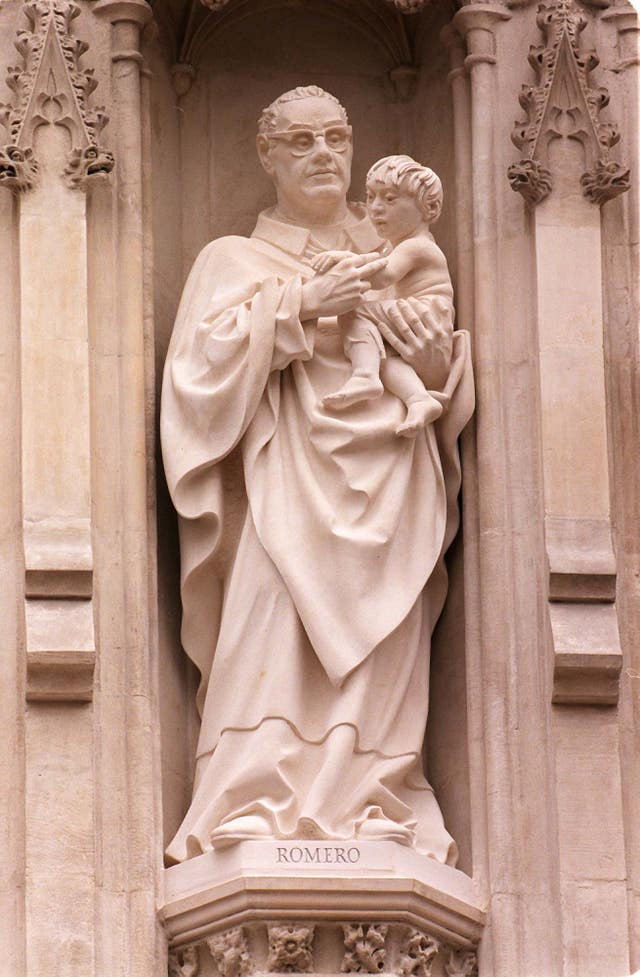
<point>51,87</point>
<point>575,112</point>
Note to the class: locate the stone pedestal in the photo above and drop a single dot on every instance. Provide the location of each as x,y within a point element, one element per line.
<point>320,907</point>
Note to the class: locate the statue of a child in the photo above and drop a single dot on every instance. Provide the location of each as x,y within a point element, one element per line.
<point>403,200</point>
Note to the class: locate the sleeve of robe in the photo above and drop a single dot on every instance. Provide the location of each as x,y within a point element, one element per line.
<point>232,330</point>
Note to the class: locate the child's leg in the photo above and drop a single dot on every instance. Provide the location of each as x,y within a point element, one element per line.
<point>401,379</point>
<point>363,348</point>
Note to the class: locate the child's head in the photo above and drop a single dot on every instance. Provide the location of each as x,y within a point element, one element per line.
<point>403,175</point>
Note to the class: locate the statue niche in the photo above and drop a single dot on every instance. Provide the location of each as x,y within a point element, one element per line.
<point>322,348</point>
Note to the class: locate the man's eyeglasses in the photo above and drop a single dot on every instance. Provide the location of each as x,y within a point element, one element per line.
<point>301,142</point>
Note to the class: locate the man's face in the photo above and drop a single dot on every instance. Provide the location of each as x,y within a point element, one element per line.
<point>309,171</point>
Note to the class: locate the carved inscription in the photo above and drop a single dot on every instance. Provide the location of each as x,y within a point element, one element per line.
<point>318,855</point>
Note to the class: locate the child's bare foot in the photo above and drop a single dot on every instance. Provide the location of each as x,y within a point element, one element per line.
<point>419,414</point>
<point>356,389</point>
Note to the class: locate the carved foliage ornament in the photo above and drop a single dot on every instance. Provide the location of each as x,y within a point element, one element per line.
<point>417,954</point>
<point>230,950</point>
<point>184,963</point>
<point>290,951</point>
<point>290,948</point>
<point>461,963</point>
<point>364,948</point>
<point>51,88</point>
<point>564,102</point>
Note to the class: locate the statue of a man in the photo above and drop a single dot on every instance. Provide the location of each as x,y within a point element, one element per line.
<point>311,621</point>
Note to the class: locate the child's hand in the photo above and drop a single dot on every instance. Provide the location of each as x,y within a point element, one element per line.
<point>328,259</point>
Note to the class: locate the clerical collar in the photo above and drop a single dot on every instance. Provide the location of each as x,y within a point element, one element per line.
<point>356,228</point>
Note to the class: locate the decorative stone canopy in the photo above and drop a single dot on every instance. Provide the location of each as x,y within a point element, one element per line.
<point>565,101</point>
<point>192,25</point>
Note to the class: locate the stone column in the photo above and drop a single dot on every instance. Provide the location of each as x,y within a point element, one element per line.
<point>459,81</point>
<point>621,273</point>
<point>504,637</point>
<point>569,168</point>
<point>12,638</point>
<point>127,767</point>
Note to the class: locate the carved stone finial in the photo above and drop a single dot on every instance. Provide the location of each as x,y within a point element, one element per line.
<point>230,951</point>
<point>184,962</point>
<point>569,110</point>
<point>461,963</point>
<point>18,168</point>
<point>417,954</point>
<point>605,181</point>
<point>364,945</point>
<point>290,948</point>
<point>51,87</point>
<point>531,179</point>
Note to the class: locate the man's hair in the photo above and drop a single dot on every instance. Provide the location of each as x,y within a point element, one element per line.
<point>268,121</point>
<point>405,174</point>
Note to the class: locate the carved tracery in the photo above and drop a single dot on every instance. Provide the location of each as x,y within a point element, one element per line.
<point>565,102</point>
<point>50,87</point>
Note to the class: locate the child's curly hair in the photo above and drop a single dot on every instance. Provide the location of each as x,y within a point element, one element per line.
<point>403,173</point>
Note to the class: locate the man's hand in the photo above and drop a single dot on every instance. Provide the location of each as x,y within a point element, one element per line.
<point>423,340</point>
<point>341,288</point>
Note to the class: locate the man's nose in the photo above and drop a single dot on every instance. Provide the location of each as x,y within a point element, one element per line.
<point>320,147</point>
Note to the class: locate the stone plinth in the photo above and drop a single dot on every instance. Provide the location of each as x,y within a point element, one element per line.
<point>326,907</point>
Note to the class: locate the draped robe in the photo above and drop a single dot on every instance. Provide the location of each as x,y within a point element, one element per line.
<point>313,641</point>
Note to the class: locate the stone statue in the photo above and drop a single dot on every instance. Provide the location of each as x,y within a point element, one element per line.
<point>403,200</point>
<point>308,604</point>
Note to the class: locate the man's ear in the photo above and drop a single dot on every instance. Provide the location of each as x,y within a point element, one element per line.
<point>263,146</point>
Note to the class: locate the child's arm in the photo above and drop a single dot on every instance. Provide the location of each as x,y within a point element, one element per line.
<point>329,259</point>
<point>404,258</point>
<point>326,260</point>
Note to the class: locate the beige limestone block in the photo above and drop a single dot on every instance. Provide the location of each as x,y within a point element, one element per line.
<point>60,837</point>
<point>55,343</point>
<point>587,770</point>
<point>571,367</point>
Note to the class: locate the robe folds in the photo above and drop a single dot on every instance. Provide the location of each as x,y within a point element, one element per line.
<point>312,634</point>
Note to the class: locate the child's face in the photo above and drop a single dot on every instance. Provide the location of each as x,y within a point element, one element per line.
<point>393,211</point>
